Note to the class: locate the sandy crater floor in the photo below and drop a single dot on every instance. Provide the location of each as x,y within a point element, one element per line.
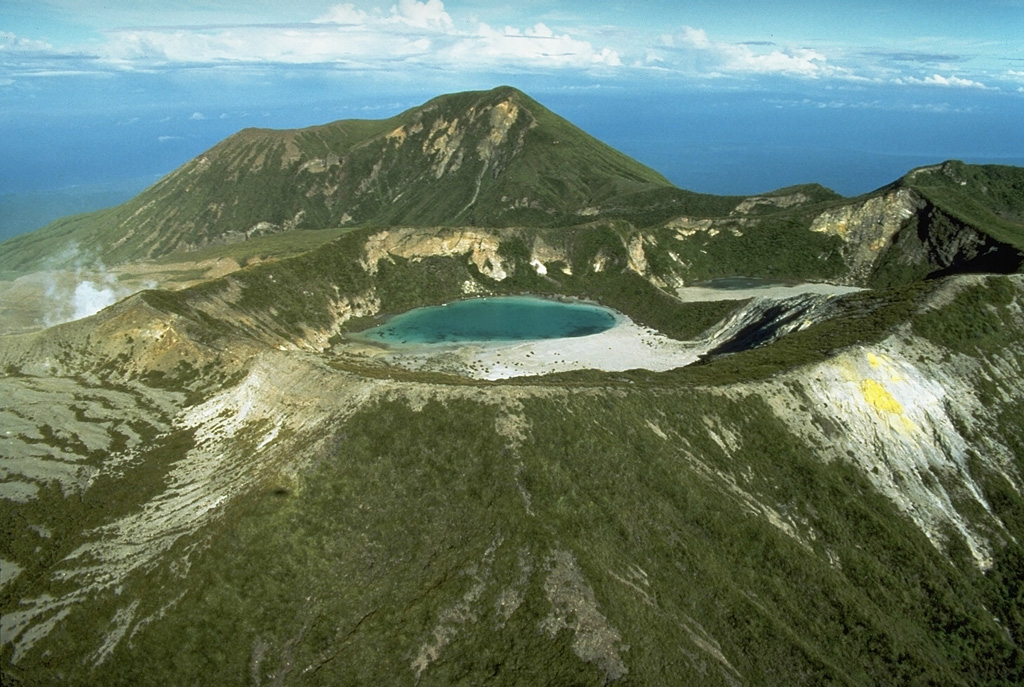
<point>623,347</point>
<point>626,346</point>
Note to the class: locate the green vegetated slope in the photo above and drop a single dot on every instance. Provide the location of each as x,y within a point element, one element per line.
<point>491,158</point>
<point>295,301</point>
<point>375,526</point>
<point>209,489</point>
<point>968,219</point>
<point>989,197</point>
<point>604,532</point>
<point>500,159</point>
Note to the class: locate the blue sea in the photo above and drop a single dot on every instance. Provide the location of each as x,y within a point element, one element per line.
<point>94,148</point>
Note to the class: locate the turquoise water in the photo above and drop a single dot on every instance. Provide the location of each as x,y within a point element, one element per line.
<point>517,318</point>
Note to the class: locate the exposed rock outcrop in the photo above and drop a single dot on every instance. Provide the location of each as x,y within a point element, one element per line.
<point>935,244</point>
<point>480,247</point>
<point>867,228</point>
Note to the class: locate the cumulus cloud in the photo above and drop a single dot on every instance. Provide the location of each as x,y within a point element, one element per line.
<point>951,81</point>
<point>695,38</point>
<point>25,57</point>
<point>800,61</point>
<point>411,31</point>
<point>698,53</point>
<point>410,34</point>
<point>939,80</point>
<point>346,14</point>
<point>425,14</point>
<point>428,14</point>
<point>237,45</point>
<point>11,43</point>
<point>538,45</point>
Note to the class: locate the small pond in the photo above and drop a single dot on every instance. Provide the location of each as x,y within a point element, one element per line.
<point>511,318</point>
<point>741,283</point>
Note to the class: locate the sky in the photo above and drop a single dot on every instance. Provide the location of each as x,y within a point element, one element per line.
<point>98,99</point>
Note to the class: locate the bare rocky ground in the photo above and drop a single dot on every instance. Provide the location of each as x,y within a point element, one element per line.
<point>42,299</point>
<point>696,294</point>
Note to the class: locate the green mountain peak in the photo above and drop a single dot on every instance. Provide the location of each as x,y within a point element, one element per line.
<point>486,158</point>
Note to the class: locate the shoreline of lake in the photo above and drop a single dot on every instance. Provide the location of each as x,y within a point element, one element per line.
<point>490,319</point>
<point>626,345</point>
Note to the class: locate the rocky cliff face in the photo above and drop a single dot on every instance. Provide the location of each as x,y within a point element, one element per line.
<point>480,247</point>
<point>867,228</point>
<point>904,233</point>
<point>934,244</point>
<point>896,421</point>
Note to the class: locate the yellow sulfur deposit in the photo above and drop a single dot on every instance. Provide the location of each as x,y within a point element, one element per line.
<point>876,395</point>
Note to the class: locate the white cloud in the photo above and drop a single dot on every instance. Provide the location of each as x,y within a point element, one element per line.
<point>801,61</point>
<point>939,80</point>
<point>196,116</point>
<point>696,52</point>
<point>10,43</point>
<point>412,32</point>
<point>884,105</point>
<point>696,38</point>
<point>428,14</point>
<point>537,46</point>
<point>951,81</point>
<point>54,73</point>
<point>310,44</point>
<point>346,14</point>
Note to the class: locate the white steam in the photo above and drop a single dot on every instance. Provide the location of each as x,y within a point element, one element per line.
<point>90,298</point>
<point>81,289</point>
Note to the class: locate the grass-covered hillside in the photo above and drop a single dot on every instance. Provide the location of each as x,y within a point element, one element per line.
<point>310,522</point>
<point>220,485</point>
<point>498,159</point>
<point>204,486</point>
<point>990,197</point>
<point>482,158</point>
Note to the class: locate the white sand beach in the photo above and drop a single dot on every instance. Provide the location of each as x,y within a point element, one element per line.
<point>693,294</point>
<point>626,346</point>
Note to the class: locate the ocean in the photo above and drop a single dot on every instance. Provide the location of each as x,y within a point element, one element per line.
<point>726,141</point>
